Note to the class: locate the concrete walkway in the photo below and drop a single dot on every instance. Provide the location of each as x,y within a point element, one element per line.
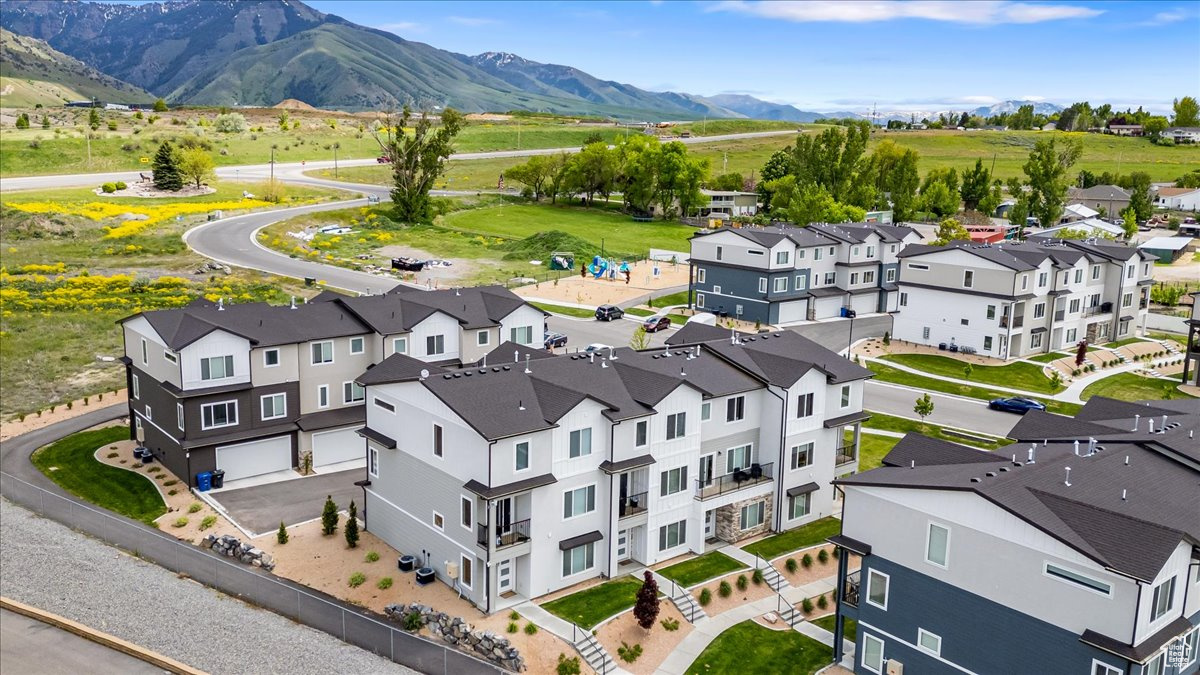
<point>742,556</point>
<point>1073,391</point>
<point>547,621</point>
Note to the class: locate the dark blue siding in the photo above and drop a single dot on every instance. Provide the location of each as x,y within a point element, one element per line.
<point>743,285</point>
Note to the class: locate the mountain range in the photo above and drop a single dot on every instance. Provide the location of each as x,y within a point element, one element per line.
<point>260,52</point>
<point>33,72</point>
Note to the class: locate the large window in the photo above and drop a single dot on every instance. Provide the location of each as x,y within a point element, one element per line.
<point>676,425</point>
<point>579,501</point>
<point>780,284</point>
<point>322,352</point>
<point>801,455</point>
<point>641,433</point>
<point>872,657</point>
<point>799,505</point>
<point>521,456</point>
<point>1073,577</point>
<point>581,442</point>
<point>670,536</point>
<point>752,515</point>
<point>274,406</point>
<point>735,409</point>
<point>877,588</point>
<point>737,458</point>
<point>578,559</point>
<point>804,405</point>
<point>353,392</point>
<point>1164,599</point>
<point>672,481</point>
<point>216,415</point>
<point>781,257</point>
<point>521,335</point>
<point>216,368</point>
<point>937,545</point>
<point>435,344</point>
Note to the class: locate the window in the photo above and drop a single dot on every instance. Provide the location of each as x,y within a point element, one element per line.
<point>737,458</point>
<point>179,415</point>
<point>804,405</point>
<point>890,275</point>
<point>1102,668</point>
<point>438,450</point>
<point>1129,271</point>
<point>1078,276</point>
<point>170,356</point>
<point>987,343</point>
<point>373,461</point>
<point>831,249</point>
<point>149,413</point>
<point>1074,306</point>
<point>322,352</point>
<point>582,558</point>
<point>216,415</point>
<point>929,642</point>
<point>1164,597</point>
<point>700,275</point>
<point>1191,643</point>
<point>868,277</point>
<point>579,501</point>
<point>991,312</point>
<point>817,254</point>
<point>465,573</point>
<point>352,392</point>
<point>216,368</point>
<point>482,338</point>
<point>705,411</point>
<point>877,588</point>
<point>798,505</point>
<point>1039,310</point>
<point>357,345</point>
<point>1155,665</point>
<point>937,545</point>
<point>800,282</point>
<point>762,284</point>
<point>400,345</point>
<point>435,344</point>
<point>752,515</point>
<point>672,481</point>
<point>854,252</point>
<point>1095,272</point>
<point>641,434</point>
<point>1070,576</point>
<point>672,535</point>
<point>781,284</point>
<point>676,425</point>
<point>1024,281</point>
<point>323,396</point>
<point>964,322</point>
<point>801,455</point>
<point>700,300</point>
<point>800,253</point>
<point>145,353</point>
<point>380,403</point>
<point>1071,336</point>
<point>1127,299</point>
<point>438,521</point>
<point>720,250</point>
<point>830,278</point>
<point>781,257</point>
<point>581,442</point>
<point>137,388</point>
<point>521,335</point>
<point>735,409</point>
<point>465,506</point>
<point>1041,279</point>
<point>1035,340</point>
<point>917,266</point>
<point>270,358</point>
<point>904,299</point>
<point>870,251</point>
<point>521,456</point>
<point>968,278</point>
<point>845,396</point>
<point>273,406</point>
<point>853,278</point>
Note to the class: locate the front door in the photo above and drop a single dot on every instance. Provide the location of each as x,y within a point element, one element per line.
<point>709,521</point>
<point>622,546</point>
<point>504,578</point>
<point>504,516</point>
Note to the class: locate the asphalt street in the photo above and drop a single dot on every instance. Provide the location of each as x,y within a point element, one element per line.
<point>30,646</point>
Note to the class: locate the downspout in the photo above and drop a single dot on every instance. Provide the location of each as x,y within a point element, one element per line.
<point>491,541</point>
<point>1137,608</point>
<point>1114,322</point>
<point>778,515</point>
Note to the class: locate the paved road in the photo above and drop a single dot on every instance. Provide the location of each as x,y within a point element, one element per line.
<point>261,508</point>
<point>15,452</point>
<point>30,646</point>
<point>948,410</point>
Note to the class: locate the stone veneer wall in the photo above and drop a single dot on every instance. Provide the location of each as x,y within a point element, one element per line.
<point>729,517</point>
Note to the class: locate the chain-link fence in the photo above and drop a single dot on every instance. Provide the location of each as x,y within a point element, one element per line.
<point>312,608</point>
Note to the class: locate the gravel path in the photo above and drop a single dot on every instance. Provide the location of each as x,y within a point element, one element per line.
<point>67,573</point>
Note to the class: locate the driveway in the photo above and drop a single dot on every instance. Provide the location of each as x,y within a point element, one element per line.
<point>261,508</point>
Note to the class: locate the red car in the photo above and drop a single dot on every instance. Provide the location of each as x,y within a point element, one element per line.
<point>383,159</point>
<point>656,323</point>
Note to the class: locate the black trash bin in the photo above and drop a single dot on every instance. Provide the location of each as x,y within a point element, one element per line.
<point>218,478</point>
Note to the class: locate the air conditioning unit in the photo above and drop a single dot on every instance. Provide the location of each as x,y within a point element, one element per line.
<point>894,667</point>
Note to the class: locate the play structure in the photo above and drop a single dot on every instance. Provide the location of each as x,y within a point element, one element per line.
<point>562,260</point>
<point>602,268</point>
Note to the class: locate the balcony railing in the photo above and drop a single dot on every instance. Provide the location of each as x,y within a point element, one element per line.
<point>512,535</point>
<point>850,591</point>
<point>740,479</point>
<point>846,454</point>
<point>1016,323</point>
<point>631,505</point>
<point>1102,308</point>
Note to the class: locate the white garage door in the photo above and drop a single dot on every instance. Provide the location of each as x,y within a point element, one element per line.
<point>792,311</point>
<point>829,307</point>
<point>342,445</point>
<point>255,458</point>
<point>866,303</point>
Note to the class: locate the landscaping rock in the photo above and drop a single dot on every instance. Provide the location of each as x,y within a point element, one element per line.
<point>456,631</point>
<point>231,547</point>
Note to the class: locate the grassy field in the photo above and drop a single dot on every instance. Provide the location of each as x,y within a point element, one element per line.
<point>701,568</point>
<point>1017,375</point>
<point>904,425</point>
<point>804,536</point>
<point>751,648</point>
<point>71,463</point>
<point>886,373</point>
<point>1133,387</point>
<point>593,605</point>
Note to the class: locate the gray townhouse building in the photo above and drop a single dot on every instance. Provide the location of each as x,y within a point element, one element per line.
<point>783,274</point>
<point>1015,299</point>
<point>1074,550</point>
<point>253,388</point>
<point>535,472</point>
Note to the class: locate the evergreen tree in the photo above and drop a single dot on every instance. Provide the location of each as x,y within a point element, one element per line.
<point>646,607</point>
<point>166,169</point>
<point>160,106</point>
<point>45,121</point>
<point>329,517</point>
<point>23,121</point>
<point>281,536</point>
<point>94,118</point>
<point>352,526</point>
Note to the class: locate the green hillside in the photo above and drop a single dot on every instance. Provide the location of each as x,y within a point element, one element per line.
<point>32,72</point>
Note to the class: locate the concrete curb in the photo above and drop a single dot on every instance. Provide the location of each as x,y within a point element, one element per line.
<point>115,643</point>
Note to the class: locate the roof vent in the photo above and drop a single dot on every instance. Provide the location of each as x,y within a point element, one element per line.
<point>991,474</point>
<point>1067,482</point>
<point>447,376</point>
<point>482,370</point>
<point>681,373</point>
<point>1004,468</point>
<point>521,405</point>
<point>1076,451</point>
<point>220,304</point>
<point>612,353</point>
<point>527,370</point>
<point>468,374</point>
<point>975,480</point>
<point>1123,494</point>
<point>516,356</point>
<point>457,375</point>
<point>1032,454</point>
<point>1150,422</point>
<point>505,368</point>
<point>1136,420</point>
<point>495,369</point>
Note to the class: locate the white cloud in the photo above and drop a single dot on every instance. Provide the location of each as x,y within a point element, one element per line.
<point>402,27</point>
<point>472,21</point>
<point>1171,16</point>
<point>1031,97</point>
<point>979,100</point>
<point>982,12</point>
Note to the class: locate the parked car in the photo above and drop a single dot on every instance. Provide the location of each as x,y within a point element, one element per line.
<point>656,323</point>
<point>552,340</point>
<point>596,347</point>
<point>383,159</point>
<point>1016,404</point>
<point>609,312</point>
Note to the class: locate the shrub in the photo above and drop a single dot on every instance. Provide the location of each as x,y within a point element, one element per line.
<point>724,589</point>
<point>281,535</point>
<point>121,185</point>
<point>807,606</point>
<point>513,627</point>
<point>531,629</point>
<point>352,526</point>
<point>836,553</point>
<point>357,579</point>
<point>791,565</point>
<point>196,506</point>
<point>670,625</point>
<point>329,517</point>
<point>1075,372</point>
<point>514,615</point>
<point>113,455</point>
<point>757,577</point>
<point>109,188</point>
<point>705,597</point>
<point>413,623</point>
<point>822,602</point>
<point>169,492</point>
<point>112,125</point>
<point>230,123</point>
<point>208,522</point>
<point>180,522</point>
<point>645,607</point>
<point>384,583</point>
<point>629,654</point>
<point>742,582</point>
<point>823,556</point>
<point>372,556</point>
<point>807,560</point>
<point>156,469</point>
<point>170,483</point>
<point>567,666</point>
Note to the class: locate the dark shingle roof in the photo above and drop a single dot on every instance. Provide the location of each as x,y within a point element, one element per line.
<point>1028,255</point>
<point>920,450</point>
<point>398,368</point>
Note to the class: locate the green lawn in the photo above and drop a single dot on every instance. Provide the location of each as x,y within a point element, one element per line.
<point>1046,358</point>
<point>566,311</point>
<point>1133,387</point>
<point>811,534</point>
<point>701,568</point>
<point>636,311</point>
<point>71,463</point>
<point>904,425</point>
<point>1016,375</point>
<point>751,648</point>
<point>1122,343</point>
<point>591,606</point>
<point>871,450</point>
<point>849,626</point>
<point>680,298</point>
<point>886,373</point>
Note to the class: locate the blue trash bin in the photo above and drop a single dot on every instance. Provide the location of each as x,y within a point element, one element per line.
<point>204,481</point>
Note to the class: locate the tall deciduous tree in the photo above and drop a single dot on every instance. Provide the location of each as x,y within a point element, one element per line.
<point>166,168</point>
<point>536,173</point>
<point>418,155</point>
<point>196,166</point>
<point>976,183</point>
<point>1139,198</point>
<point>645,609</point>
<point>1187,112</point>
<point>950,230</point>
<point>892,173</point>
<point>1046,171</point>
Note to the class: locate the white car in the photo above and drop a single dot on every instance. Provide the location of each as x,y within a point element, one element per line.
<point>596,347</point>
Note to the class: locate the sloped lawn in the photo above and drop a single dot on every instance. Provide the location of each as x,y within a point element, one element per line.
<point>71,463</point>
<point>751,648</point>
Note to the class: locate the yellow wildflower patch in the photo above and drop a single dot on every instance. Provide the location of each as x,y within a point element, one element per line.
<point>153,215</point>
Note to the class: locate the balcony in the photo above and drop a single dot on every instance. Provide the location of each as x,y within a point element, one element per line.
<point>1016,323</point>
<point>1102,308</point>
<point>515,533</point>
<point>850,591</point>
<point>846,454</point>
<point>632,505</point>
<point>755,474</point>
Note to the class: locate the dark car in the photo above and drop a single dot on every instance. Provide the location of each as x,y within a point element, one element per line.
<point>656,323</point>
<point>552,340</point>
<point>609,312</point>
<point>1016,404</point>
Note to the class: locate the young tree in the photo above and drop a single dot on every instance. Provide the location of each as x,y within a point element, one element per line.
<point>1081,353</point>
<point>646,607</point>
<point>1139,199</point>
<point>1129,221</point>
<point>976,184</point>
<point>950,230</point>
<point>160,106</point>
<point>967,370</point>
<point>94,118</point>
<point>1046,171</point>
<point>640,339</point>
<point>45,121</point>
<point>23,121</point>
<point>1187,112</point>
<point>196,166</point>
<point>418,158</point>
<point>281,536</point>
<point>924,406</point>
<point>351,531</point>
<point>166,168</point>
<point>329,517</point>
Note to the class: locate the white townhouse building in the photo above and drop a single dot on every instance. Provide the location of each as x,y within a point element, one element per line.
<point>535,472</point>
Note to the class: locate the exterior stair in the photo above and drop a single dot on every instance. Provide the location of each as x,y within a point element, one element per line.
<point>594,653</point>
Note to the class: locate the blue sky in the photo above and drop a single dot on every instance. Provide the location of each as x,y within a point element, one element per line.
<point>825,56</point>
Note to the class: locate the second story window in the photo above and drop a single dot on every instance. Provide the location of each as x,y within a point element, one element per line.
<point>579,501</point>
<point>179,415</point>
<point>762,284</point>
<point>437,441</point>
<point>890,275</point>
<point>274,406</point>
<point>720,251</point>
<point>781,257</point>
<point>357,345</point>
<point>641,434</point>
<point>270,358</point>
<point>522,335</point>
<point>700,275</point>
<point>482,338</point>
<point>877,588</point>
<point>216,368</point>
<point>170,356</point>
<point>845,396</point>
<point>435,344</point>
<point>322,352</point>
<point>145,353</point>
<point>581,442</point>
<point>672,481</point>
<point>937,545</point>
<point>323,396</point>
<point>735,409</point>
<point>968,278</point>
<point>400,346</point>
<point>737,458</point>
<point>705,411</point>
<point>1164,599</point>
<point>676,426</point>
<point>521,456</point>
<point>804,405</point>
<point>352,392</point>
<point>216,415</point>
<point>781,284</point>
<point>991,312</point>
<point>802,455</point>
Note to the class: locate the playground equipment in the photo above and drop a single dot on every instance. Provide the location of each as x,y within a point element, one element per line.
<point>562,260</point>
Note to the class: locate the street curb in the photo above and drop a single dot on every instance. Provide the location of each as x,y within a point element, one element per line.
<point>112,642</point>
